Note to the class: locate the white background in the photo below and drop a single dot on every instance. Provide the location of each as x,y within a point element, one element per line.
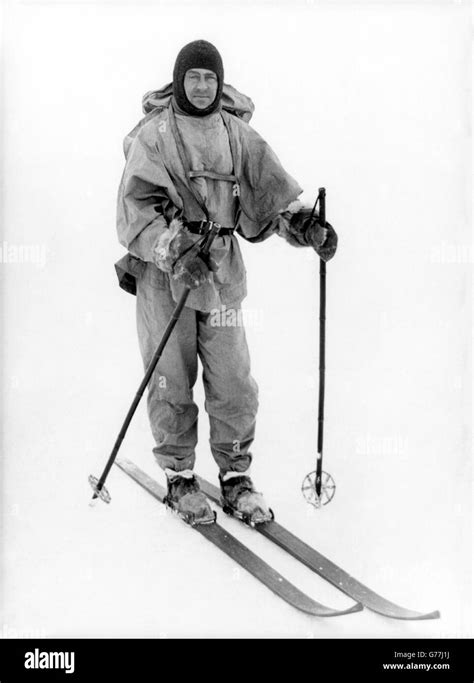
<point>371,101</point>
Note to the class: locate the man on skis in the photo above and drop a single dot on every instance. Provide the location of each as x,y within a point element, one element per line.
<point>193,161</point>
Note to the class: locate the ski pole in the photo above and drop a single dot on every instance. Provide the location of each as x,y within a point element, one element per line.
<point>313,485</point>
<point>98,484</point>
<point>322,348</point>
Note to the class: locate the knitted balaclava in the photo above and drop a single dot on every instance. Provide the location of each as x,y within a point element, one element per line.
<point>197,55</point>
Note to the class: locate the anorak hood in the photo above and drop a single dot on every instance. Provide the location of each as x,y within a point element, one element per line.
<point>232,101</point>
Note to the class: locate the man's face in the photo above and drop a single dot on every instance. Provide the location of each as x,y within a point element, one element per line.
<point>200,86</point>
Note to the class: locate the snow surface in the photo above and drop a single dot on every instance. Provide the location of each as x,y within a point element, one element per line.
<point>372,103</point>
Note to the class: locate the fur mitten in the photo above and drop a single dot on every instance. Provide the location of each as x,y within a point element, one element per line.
<point>300,230</point>
<point>171,244</point>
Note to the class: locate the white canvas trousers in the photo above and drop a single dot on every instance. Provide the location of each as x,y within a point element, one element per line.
<point>231,392</point>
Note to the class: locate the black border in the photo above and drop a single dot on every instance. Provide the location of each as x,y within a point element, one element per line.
<point>243,659</point>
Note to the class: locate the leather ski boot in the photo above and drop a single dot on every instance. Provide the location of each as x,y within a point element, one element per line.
<point>240,499</point>
<point>185,497</point>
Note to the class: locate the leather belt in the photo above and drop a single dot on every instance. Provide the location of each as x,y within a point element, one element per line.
<point>202,227</point>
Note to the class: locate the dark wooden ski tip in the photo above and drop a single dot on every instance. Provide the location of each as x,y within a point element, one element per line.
<point>247,559</point>
<point>322,566</point>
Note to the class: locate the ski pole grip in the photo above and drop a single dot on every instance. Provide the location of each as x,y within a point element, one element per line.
<point>322,205</point>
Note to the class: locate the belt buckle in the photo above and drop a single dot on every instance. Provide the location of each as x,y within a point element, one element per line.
<point>206,226</point>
